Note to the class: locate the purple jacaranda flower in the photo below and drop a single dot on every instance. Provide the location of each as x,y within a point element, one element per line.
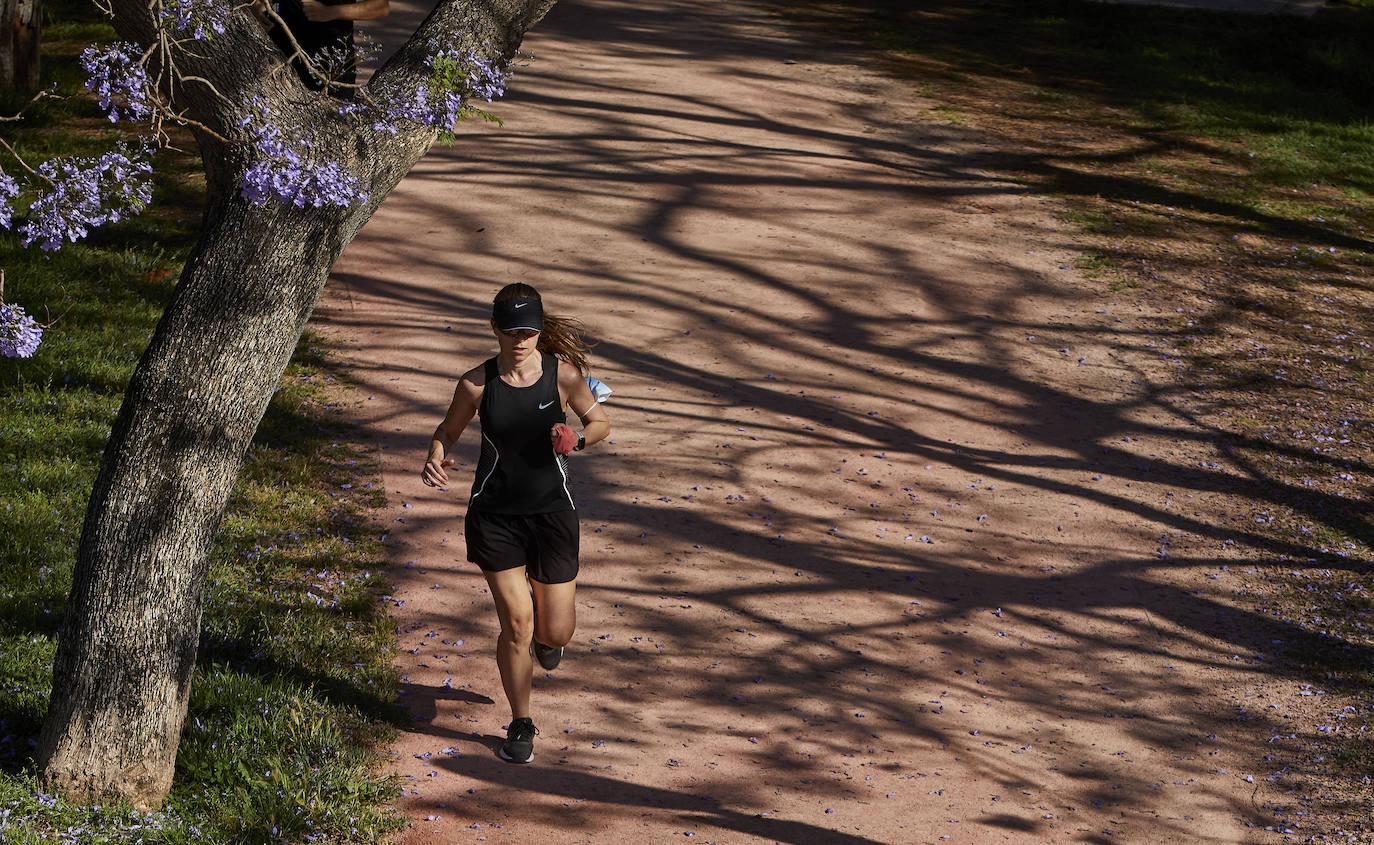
<point>117,76</point>
<point>9,189</point>
<point>20,334</point>
<point>291,171</point>
<point>85,193</point>
<point>198,18</point>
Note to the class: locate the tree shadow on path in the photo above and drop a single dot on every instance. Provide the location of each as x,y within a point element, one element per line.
<point>903,517</point>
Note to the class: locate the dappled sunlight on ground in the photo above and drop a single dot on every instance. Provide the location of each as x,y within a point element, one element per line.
<point>901,534</point>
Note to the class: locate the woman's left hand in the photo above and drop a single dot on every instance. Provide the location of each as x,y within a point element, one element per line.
<point>563,438</point>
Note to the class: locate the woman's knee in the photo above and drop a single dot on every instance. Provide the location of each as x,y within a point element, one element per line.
<point>555,633</point>
<point>518,627</point>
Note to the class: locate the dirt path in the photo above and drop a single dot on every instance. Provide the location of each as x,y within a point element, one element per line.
<point>895,542</point>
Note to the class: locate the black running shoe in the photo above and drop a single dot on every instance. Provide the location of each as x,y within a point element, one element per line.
<point>547,656</point>
<point>519,744</point>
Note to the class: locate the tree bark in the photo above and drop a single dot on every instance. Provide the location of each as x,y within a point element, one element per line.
<point>122,674</point>
<point>127,649</point>
<point>20,25</point>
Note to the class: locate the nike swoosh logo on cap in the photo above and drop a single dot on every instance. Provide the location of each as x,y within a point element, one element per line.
<point>521,304</point>
<point>546,404</point>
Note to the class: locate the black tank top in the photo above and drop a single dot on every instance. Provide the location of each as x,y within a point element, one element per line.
<point>518,472</point>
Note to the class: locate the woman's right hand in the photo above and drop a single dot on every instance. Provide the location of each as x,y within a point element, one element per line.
<point>433,474</point>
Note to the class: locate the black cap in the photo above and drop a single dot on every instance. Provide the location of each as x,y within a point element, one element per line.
<point>518,313</point>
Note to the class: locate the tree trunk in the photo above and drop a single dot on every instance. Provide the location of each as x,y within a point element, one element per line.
<point>20,23</point>
<point>124,662</point>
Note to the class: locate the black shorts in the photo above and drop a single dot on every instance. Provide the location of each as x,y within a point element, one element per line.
<point>546,544</point>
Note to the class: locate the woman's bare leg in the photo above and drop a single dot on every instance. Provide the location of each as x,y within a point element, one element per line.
<point>556,618</point>
<point>511,592</point>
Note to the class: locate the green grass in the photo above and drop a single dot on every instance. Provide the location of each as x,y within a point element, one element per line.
<point>1095,263</point>
<point>945,114</point>
<point>294,690</point>
<point>294,674</point>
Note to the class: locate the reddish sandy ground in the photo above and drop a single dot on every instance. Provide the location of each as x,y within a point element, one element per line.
<point>897,539</point>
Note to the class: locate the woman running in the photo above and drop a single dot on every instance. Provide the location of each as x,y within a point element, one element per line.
<point>521,524</point>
